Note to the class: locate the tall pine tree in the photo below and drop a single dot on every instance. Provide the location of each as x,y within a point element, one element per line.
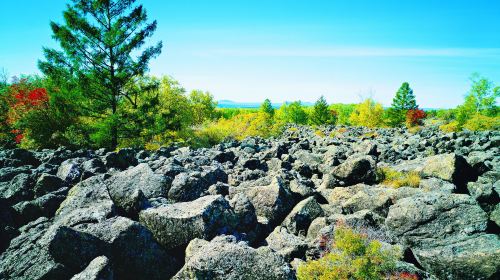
<point>402,102</point>
<point>102,50</point>
<point>321,113</point>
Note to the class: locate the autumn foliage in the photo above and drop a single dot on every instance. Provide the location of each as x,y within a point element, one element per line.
<point>414,117</point>
<point>22,98</point>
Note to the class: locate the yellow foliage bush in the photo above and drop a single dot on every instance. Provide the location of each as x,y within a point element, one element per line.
<point>353,256</point>
<point>481,122</point>
<point>237,127</point>
<point>452,126</point>
<point>368,113</point>
<point>398,179</point>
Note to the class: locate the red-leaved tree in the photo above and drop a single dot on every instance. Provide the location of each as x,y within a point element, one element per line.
<point>24,97</point>
<point>414,117</point>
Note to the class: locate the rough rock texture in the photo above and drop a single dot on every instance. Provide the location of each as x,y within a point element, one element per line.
<point>251,209</point>
<point>176,224</point>
<point>225,258</point>
<point>98,269</point>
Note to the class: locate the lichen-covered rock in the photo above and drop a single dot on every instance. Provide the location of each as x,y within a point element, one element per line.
<point>450,167</point>
<point>225,258</point>
<point>70,170</point>
<point>356,169</point>
<point>244,212</point>
<point>421,219</point>
<point>132,249</point>
<point>286,244</point>
<point>98,269</point>
<point>273,201</point>
<point>47,183</point>
<point>187,187</point>
<point>130,189</point>
<point>28,258</point>
<point>477,257</point>
<point>301,216</point>
<point>19,188</point>
<point>176,224</point>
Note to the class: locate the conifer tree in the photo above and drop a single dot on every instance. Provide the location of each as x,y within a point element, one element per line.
<point>402,102</point>
<point>99,41</point>
<point>321,113</point>
<point>267,108</point>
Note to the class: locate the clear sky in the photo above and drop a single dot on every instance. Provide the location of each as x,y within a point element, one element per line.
<point>249,50</point>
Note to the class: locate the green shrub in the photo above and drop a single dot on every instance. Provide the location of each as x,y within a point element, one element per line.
<point>397,179</point>
<point>353,256</point>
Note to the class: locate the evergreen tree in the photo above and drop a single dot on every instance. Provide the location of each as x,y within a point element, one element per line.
<point>402,102</point>
<point>321,113</point>
<point>99,39</point>
<point>267,108</point>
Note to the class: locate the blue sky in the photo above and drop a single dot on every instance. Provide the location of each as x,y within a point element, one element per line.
<point>288,50</point>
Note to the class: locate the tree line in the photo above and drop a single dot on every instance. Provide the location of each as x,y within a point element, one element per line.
<point>94,91</point>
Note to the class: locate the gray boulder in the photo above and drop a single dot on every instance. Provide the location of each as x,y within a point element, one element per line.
<point>473,258</point>
<point>356,169</point>
<point>273,201</point>
<point>176,224</point>
<point>70,170</point>
<point>98,269</point>
<point>422,219</point>
<point>244,212</point>
<point>130,189</point>
<point>47,183</point>
<point>132,249</point>
<point>301,216</point>
<point>28,258</point>
<point>225,258</point>
<point>286,244</point>
<point>187,187</point>
<point>19,188</point>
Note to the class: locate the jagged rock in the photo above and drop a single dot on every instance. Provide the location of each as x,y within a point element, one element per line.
<point>286,244</point>
<point>45,205</point>
<point>424,218</point>
<point>486,190</point>
<point>47,183</point>
<point>219,188</point>
<point>356,169</point>
<point>315,227</point>
<point>122,159</point>
<point>28,258</point>
<point>98,269</point>
<point>70,170</point>
<point>301,216</point>
<point>7,225</point>
<point>225,258</point>
<point>473,258</point>
<point>450,167</point>
<point>87,201</point>
<point>244,212</point>
<point>7,173</point>
<point>176,224</point>
<point>273,201</point>
<point>92,167</point>
<point>63,242</point>
<point>130,189</point>
<point>495,215</point>
<point>132,249</point>
<point>436,184</point>
<point>187,187</point>
<point>17,189</point>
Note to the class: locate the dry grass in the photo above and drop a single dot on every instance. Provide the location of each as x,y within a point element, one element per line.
<point>396,179</point>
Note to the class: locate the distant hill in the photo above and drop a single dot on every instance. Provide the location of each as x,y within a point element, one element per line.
<point>249,105</point>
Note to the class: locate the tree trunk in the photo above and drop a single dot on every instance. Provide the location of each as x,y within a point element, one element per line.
<point>114,128</point>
